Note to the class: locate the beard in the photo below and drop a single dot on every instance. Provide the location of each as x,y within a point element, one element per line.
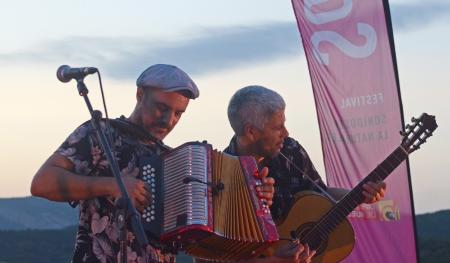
<point>261,149</point>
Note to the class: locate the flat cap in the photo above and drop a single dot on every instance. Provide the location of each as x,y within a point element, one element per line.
<point>168,78</point>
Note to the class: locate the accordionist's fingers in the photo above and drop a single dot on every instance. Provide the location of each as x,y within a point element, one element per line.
<point>266,195</point>
<point>142,198</point>
<point>263,172</point>
<point>148,193</point>
<point>266,190</point>
<point>138,191</point>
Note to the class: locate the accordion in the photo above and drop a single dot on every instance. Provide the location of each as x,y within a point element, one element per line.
<point>205,203</point>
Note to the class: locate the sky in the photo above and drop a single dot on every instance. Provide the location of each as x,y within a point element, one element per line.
<point>223,45</point>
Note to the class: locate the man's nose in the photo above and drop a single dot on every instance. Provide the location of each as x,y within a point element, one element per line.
<point>286,133</point>
<point>168,119</point>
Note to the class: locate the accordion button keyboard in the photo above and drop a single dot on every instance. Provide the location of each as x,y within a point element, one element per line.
<point>149,178</point>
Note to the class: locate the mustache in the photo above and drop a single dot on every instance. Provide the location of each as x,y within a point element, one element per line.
<point>162,125</point>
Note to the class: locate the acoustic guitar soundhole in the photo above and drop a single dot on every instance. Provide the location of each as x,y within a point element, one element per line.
<point>314,240</point>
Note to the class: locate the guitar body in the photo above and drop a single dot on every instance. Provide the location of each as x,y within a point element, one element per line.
<point>309,207</point>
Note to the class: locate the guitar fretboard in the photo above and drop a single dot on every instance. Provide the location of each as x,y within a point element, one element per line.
<point>355,197</point>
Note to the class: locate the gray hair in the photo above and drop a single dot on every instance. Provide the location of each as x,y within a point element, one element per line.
<point>253,105</point>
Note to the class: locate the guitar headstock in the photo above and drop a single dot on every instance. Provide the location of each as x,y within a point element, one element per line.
<point>416,134</point>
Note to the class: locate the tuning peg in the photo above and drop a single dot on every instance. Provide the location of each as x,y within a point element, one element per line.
<point>414,119</point>
<point>402,133</point>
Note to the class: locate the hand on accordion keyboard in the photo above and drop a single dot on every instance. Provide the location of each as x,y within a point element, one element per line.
<point>139,192</point>
<point>266,190</point>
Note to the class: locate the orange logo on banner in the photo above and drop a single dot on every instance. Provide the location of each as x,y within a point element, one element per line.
<point>385,210</point>
<point>388,210</point>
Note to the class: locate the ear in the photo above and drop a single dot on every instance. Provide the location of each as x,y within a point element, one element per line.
<point>140,94</point>
<point>251,133</point>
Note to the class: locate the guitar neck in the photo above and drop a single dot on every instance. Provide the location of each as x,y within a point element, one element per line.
<point>355,197</point>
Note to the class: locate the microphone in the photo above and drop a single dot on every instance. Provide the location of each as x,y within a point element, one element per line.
<point>66,73</point>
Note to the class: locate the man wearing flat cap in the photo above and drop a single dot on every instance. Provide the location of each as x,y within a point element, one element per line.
<point>79,171</point>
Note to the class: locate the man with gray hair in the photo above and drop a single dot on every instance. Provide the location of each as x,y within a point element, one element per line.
<point>256,115</point>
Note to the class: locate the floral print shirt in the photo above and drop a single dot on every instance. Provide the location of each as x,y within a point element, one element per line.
<point>98,234</point>
<point>288,174</point>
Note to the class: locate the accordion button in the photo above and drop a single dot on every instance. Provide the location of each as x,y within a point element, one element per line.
<point>153,169</point>
<point>148,219</point>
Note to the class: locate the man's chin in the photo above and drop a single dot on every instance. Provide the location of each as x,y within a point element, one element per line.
<point>274,153</point>
<point>159,135</point>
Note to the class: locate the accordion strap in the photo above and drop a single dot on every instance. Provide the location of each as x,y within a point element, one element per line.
<point>136,131</point>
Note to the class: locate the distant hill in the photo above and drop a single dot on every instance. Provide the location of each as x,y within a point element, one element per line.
<point>433,230</point>
<point>37,246</point>
<point>434,225</point>
<point>35,213</point>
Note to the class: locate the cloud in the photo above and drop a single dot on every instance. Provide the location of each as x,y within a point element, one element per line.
<point>413,16</point>
<point>218,49</point>
<point>205,51</point>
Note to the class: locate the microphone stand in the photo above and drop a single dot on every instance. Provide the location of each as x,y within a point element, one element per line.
<point>125,208</point>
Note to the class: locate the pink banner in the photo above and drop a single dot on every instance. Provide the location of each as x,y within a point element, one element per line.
<point>350,60</point>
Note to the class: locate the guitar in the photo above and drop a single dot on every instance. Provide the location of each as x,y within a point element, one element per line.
<point>327,229</point>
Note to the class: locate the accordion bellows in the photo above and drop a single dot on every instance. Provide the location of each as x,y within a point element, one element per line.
<point>221,225</point>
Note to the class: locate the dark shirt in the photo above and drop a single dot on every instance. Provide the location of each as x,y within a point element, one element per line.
<point>98,234</point>
<point>288,179</point>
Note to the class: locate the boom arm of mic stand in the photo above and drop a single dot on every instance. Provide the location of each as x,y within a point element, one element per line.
<point>130,210</point>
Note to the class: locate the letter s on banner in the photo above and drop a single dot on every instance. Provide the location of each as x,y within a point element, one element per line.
<point>335,38</point>
<point>344,45</point>
<point>325,17</point>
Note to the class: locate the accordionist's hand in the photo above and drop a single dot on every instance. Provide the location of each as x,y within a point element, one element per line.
<point>266,190</point>
<point>139,192</point>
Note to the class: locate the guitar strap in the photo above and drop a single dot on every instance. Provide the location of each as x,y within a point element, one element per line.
<point>305,175</point>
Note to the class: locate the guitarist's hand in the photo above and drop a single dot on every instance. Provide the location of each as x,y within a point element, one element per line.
<point>292,252</point>
<point>374,191</point>
<point>266,190</point>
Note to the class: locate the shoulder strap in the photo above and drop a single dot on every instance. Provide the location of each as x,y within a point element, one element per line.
<point>136,131</point>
